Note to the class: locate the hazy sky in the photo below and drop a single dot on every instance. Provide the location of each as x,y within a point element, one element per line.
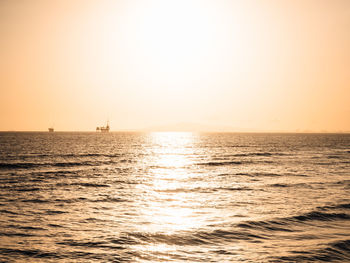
<point>259,65</point>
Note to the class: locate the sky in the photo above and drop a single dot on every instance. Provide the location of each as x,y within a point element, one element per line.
<point>216,65</point>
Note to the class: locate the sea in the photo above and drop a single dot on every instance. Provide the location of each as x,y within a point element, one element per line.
<point>174,197</point>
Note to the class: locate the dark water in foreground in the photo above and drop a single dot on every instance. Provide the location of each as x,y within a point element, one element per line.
<point>119,197</point>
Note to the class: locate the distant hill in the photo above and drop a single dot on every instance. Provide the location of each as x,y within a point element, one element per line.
<point>195,127</point>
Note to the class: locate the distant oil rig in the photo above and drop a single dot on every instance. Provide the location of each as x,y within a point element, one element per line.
<point>103,128</point>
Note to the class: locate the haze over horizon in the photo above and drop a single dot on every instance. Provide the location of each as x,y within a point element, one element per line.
<point>141,64</point>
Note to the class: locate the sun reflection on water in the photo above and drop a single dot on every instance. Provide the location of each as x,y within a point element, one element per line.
<point>169,205</point>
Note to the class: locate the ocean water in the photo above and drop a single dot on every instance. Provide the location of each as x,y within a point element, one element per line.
<point>163,197</point>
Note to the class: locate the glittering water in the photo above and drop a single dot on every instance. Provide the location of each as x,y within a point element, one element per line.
<point>89,197</point>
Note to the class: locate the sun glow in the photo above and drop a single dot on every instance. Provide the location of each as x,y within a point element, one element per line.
<point>176,34</point>
<point>143,64</point>
<point>166,201</point>
<point>172,46</point>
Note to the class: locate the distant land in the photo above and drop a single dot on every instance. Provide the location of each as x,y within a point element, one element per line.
<point>197,127</point>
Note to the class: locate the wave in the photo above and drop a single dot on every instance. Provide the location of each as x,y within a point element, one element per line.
<point>281,185</point>
<point>334,157</point>
<point>29,253</point>
<point>220,163</point>
<point>70,200</point>
<point>266,154</point>
<point>8,212</point>
<point>11,166</point>
<point>110,200</point>
<point>326,163</point>
<point>54,212</point>
<point>35,200</point>
<point>41,254</point>
<point>266,226</point>
<point>185,238</point>
<point>25,227</point>
<point>77,155</point>
<point>337,206</point>
<point>227,163</point>
<point>259,174</point>
<point>70,164</point>
<point>335,251</point>
<point>27,189</point>
<point>343,182</point>
<point>243,188</point>
<point>203,189</point>
<point>270,174</point>
<point>96,155</point>
<point>30,228</point>
<point>16,234</point>
<point>16,165</point>
<point>83,184</point>
<point>189,238</point>
<point>91,185</point>
<point>284,224</point>
<point>90,244</point>
<point>321,216</point>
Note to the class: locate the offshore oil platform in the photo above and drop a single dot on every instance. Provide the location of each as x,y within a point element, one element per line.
<point>103,128</point>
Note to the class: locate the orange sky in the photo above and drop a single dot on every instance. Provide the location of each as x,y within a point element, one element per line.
<point>220,64</point>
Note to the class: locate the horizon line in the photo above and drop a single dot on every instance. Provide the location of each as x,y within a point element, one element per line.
<point>188,131</point>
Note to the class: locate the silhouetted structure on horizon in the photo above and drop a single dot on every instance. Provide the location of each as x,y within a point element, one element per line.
<point>103,128</point>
